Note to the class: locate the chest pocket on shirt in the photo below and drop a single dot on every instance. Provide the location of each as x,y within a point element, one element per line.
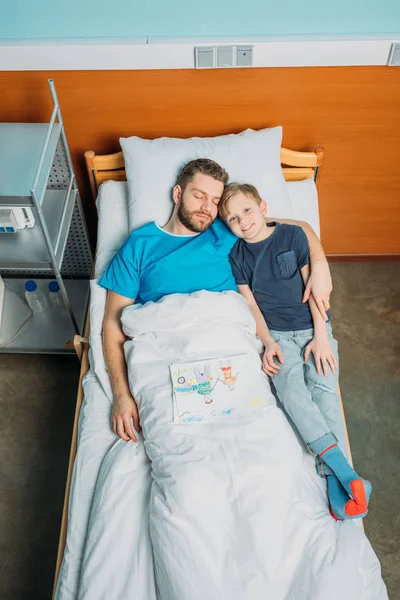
<point>287,263</point>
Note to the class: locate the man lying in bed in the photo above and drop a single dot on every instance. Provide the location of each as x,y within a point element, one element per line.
<point>190,253</point>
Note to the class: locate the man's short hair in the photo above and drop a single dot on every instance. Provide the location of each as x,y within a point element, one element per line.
<point>205,166</point>
<point>233,188</point>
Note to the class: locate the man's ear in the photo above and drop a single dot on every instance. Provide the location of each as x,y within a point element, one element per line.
<point>177,194</point>
<point>263,206</point>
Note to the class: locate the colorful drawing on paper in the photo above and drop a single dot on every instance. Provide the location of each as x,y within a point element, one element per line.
<point>215,389</point>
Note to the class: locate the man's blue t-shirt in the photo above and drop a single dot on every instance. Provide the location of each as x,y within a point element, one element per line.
<point>271,269</point>
<point>153,263</point>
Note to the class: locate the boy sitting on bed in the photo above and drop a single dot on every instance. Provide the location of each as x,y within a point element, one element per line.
<point>270,263</point>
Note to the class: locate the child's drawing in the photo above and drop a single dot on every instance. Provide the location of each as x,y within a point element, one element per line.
<point>203,380</point>
<point>215,389</point>
<point>229,379</point>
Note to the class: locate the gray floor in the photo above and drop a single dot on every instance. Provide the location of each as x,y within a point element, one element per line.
<point>37,398</point>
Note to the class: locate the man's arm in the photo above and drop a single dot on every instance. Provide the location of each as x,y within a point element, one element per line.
<point>320,345</point>
<point>320,282</point>
<point>124,408</point>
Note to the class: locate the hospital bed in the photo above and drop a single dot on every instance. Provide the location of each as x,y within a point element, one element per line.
<point>91,429</point>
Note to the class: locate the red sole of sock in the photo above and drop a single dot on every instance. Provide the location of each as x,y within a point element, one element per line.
<point>358,492</point>
<point>358,506</point>
<point>353,510</point>
<point>334,516</point>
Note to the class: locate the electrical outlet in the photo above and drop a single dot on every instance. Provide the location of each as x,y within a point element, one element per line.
<point>224,56</point>
<point>204,57</point>
<point>208,57</point>
<point>244,56</point>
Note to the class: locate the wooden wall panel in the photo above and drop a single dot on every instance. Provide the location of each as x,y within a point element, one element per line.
<point>354,112</point>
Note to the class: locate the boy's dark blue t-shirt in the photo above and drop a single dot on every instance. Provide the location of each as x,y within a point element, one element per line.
<point>271,269</point>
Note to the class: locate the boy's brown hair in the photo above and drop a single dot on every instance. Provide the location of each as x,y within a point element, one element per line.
<point>233,188</point>
<point>205,166</point>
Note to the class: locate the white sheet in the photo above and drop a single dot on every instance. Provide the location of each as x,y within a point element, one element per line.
<point>112,229</point>
<point>304,202</point>
<point>98,445</point>
<point>236,509</point>
<point>95,440</point>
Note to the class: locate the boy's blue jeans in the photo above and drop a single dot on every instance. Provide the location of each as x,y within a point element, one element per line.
<point>311,400</point>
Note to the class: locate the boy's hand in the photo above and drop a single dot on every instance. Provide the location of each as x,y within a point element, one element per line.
<point>124,412</point>
<point>320,286</point>
<point>324,356</point>
<point>269,366</point>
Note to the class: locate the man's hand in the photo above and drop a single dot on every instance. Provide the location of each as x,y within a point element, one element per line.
<point>320,286</point>
<point>324,356</point>
<point>269,366</point>
<point>124,411</point>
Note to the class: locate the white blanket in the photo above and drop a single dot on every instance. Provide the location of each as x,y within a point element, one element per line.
<point>233,510</point>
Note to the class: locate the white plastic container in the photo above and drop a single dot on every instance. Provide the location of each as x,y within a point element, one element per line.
<point>55,295</point>
<point>34,297</point>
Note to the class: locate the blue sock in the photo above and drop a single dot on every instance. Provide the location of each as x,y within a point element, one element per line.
<point>342,506</point>
<point>328,451</point>
<point>356,488</point>
<point>336,460</point>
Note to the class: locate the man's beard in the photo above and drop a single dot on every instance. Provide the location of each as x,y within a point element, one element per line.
<point>188,219</point>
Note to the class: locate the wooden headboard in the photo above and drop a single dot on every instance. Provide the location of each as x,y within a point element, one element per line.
<point>296,166</point>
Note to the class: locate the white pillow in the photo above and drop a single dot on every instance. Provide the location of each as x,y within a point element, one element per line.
<point>152,167</point>
<point>304,202</point>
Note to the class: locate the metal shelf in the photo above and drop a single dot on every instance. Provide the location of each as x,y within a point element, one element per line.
<point>26,249</point>
<point>21,145</point>
<point>36,172</point>
<point>48,331</point>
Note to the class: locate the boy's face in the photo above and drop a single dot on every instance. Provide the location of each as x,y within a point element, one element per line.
<point>198,204</point>
<point>245,217</point>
